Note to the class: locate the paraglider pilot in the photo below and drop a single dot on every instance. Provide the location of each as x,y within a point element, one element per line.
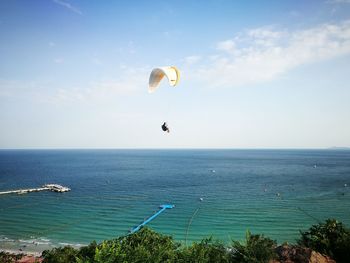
<point>165,127</point>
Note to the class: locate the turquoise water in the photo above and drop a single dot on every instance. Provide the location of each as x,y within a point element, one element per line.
<point>114,190</point>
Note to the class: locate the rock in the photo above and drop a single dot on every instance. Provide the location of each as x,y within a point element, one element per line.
<point>298,254</point>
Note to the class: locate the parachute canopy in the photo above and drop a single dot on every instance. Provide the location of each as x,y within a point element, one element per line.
<point>157,74</point>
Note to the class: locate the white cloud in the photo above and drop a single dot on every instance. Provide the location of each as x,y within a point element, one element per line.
<point>192,59</point>
<point>132,81</point>
<point>263,54</point>
<point>253,56</point>
<point>264,33</point>
<point>23,90</point>
<point>68,6</point>
<point>227,45</point>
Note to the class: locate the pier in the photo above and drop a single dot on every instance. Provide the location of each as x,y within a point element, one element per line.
<point>162,209</point>
<point>46,187</point>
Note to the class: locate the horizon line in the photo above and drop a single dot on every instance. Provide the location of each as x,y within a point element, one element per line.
<point>179,148</point>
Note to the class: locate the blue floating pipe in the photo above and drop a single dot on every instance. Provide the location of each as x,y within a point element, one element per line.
<point>162,208</point>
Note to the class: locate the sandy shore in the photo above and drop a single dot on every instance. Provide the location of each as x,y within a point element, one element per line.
<point>24,252</point>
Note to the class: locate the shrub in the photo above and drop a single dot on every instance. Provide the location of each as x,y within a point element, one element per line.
<point>256,248</point>
<point>87,254</point>
<point>6,257</point>
<point>330,238</point>
<point>143,246</point>
<point>205,251</point>
<point>60,255</point>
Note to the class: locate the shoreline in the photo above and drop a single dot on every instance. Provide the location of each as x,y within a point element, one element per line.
<point>31,247</point>
<point>23,252</point>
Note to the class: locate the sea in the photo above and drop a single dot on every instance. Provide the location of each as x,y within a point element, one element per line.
<point>217,193</point>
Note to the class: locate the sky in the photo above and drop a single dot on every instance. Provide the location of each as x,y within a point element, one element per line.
<point>254,74</point>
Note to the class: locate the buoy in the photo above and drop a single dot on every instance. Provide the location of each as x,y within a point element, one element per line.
<point>201,199</point>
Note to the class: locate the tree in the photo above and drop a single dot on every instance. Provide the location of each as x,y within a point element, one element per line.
<point>6,257</point>
<point>143,246</point>
<point>206,251</point>
<point>256,248</point>
<point>330,238</point>
<point>60,255</point>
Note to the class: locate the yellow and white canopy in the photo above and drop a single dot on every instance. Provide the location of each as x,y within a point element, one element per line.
<point>157,74</point>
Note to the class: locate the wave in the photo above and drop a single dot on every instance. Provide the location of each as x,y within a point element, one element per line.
<point>33,245</point>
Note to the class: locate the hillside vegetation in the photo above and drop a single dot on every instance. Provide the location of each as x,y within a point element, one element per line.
<point>330,238</point>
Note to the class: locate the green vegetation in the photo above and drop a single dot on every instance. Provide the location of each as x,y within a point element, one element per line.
<point>330,238</point>
<point>144,246</point>
<point>205,251</point>
<point>9,258</point>
<point>149,246</point>
<point>69,254</point>
<point>257,248</point>
<point>60,255</point>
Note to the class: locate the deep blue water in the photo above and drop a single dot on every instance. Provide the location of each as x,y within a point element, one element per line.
<point>113,190</point>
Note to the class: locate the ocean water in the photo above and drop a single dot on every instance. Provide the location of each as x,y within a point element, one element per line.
<point>274,192</point>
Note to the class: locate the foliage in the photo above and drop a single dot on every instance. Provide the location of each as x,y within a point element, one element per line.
<point>256,248</point>
<point>146,245</point>
<point>330,238</point>
<point>143,246</point>
<point>6,257</point>
<point>86,254</point>
<point>60,255</point>
<point>205,251</point>
<point>70,254</point>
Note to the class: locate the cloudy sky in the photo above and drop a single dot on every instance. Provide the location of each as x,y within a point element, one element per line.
<point>254,74</point>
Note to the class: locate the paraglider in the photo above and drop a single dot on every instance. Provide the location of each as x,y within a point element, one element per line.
<point>157,74</point>
<point>165,127</point>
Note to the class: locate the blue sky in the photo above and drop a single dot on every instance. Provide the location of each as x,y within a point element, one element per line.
<point>254,74</point>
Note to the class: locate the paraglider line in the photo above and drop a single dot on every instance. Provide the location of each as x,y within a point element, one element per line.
<point>311,216</point>
<point>190,222</point>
